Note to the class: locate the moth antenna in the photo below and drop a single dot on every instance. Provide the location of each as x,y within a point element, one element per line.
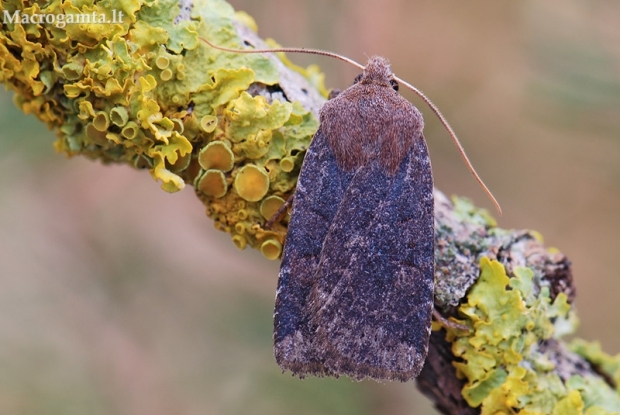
<point>415,90</point>
<point>455,139</point>
<point>288,50</point>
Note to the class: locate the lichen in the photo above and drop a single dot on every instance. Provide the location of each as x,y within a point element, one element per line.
<point>213,183</point>
<point>216,155</point>
<point>465,210</point>
<point>455,244</point>
<point>270,205</point>
<point>501,358</point>
<point>146,92</point>
<point>252,183</point>
<point>591,351</point>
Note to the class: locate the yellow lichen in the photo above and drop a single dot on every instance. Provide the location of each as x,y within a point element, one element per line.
<point>95,135</point>
<point>500,358</point>
<point>239,241</point>
<point>213,183</point>
<point>240,228</point>
<point>216,155</point>
<point>101,121</point>
<point>287,164</point>
<point>271,249</point>
<point>130,131</point>
<point>162,62</point>
<point>251,183</point>
<point>145,91</point>
<point>119,116</point>
<point>208,123</point>
<point>270,206</point>
<point>166,75</point>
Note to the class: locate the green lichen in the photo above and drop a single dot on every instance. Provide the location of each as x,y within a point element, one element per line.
<point>501,358</point>
<point>146,92</point>
<point>606,364</point>
<point>455,241</point>
<point>465,210</point>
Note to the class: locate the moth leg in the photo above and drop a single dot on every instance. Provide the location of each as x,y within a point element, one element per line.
<point>447,323</point>
<point>280,212</point>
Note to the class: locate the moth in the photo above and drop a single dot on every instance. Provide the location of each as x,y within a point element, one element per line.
<point>355,288</point>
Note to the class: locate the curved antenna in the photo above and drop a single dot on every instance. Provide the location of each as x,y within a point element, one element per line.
<point>455,139</point>
<point>289,50</point>
<point>415,90</point>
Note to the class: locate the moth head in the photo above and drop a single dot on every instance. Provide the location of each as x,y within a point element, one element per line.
<point>378,72</point>
<point>358,78</point>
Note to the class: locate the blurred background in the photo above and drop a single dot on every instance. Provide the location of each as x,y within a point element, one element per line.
<point>118,298</point>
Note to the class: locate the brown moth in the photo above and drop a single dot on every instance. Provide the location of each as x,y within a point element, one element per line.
<point>355,290</point>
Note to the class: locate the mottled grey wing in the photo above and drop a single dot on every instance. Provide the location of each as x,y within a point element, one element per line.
<point>372,296</point>
<point>320,188</point>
